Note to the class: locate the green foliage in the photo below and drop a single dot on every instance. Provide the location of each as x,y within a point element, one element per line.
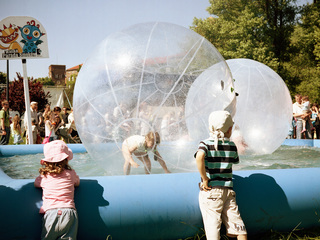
<point>70,88</point>
<point>249,29</point>
<point>45,81</point>
<point>304,67</point>
<point>269,31</point>
<point>3,78</point>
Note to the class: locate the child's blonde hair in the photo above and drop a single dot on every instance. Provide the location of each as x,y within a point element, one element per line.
<point>54,167</point>
<point>154,137</point>
<point>47,116</point>
<point>16,122</point>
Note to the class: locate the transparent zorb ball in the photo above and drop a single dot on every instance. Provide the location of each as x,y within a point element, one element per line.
<point>136,81</point>
<point>212,91</point>
<point>264,107</point>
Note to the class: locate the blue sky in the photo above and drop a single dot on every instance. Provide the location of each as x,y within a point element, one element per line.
<point>75,27</point>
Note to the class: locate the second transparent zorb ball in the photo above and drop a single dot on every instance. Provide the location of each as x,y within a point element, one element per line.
<point>212,91</point>
<point>264,107</point>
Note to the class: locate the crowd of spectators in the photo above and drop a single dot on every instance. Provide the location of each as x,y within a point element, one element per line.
<point>48,123</point>
<point>59,123</point>
<point>305,121</point>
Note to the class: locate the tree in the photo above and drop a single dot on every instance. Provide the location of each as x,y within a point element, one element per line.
<point>275,32</point>
<point>281,17</point>
<point>255,29</point>
<point>16,94</point>
<point>304,66</point>
<point>45,81</point>
<point>236,32</point>
<point>3,78</point>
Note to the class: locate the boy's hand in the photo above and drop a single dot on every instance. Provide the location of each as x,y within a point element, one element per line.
<point>201,167</point>
<point>204,184</point>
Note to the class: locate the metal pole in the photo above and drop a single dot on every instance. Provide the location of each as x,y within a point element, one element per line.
<point>7,91</point>
<point>27,100</point>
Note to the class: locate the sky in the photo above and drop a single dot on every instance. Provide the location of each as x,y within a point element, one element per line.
<point>75,27</point>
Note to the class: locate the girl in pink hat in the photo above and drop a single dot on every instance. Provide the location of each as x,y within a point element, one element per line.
<point>57,181</point>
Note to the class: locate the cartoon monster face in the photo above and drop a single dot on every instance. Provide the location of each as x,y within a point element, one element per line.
<point>30,33</point>
<point>9,34</point>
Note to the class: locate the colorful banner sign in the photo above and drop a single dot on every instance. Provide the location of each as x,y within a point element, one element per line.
<point>22,37</point>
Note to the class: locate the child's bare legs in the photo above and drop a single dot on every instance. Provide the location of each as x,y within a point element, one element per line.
<point>163,165</point>
<point>157,157</point>
<point>128,160</point>
<point>127,168</point>
<point>303,125</point>
<point>146,162</point>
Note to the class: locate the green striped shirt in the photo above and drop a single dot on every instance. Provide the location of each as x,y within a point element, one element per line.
<point>218,162</point>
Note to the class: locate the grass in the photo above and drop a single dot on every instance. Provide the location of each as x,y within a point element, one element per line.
<point>295,234</point>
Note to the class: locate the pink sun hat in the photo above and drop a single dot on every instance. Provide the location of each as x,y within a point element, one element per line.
<point>56,151</point>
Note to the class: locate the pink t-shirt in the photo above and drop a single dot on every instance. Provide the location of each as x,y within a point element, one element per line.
<point>58,189</point>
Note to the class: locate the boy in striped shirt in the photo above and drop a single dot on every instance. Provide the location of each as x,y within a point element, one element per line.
<point>214,159</point>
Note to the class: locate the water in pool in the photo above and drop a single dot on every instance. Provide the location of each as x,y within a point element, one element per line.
<point>26,166</point>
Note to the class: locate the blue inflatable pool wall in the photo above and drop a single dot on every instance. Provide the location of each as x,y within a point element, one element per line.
<point>162,206</point>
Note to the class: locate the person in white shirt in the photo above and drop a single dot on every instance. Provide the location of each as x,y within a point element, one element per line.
<point>34,114</point>
<point>298,114</point>
<point>71,125</point>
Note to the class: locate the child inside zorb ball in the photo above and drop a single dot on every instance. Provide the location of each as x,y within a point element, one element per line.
<point>139,146</point>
